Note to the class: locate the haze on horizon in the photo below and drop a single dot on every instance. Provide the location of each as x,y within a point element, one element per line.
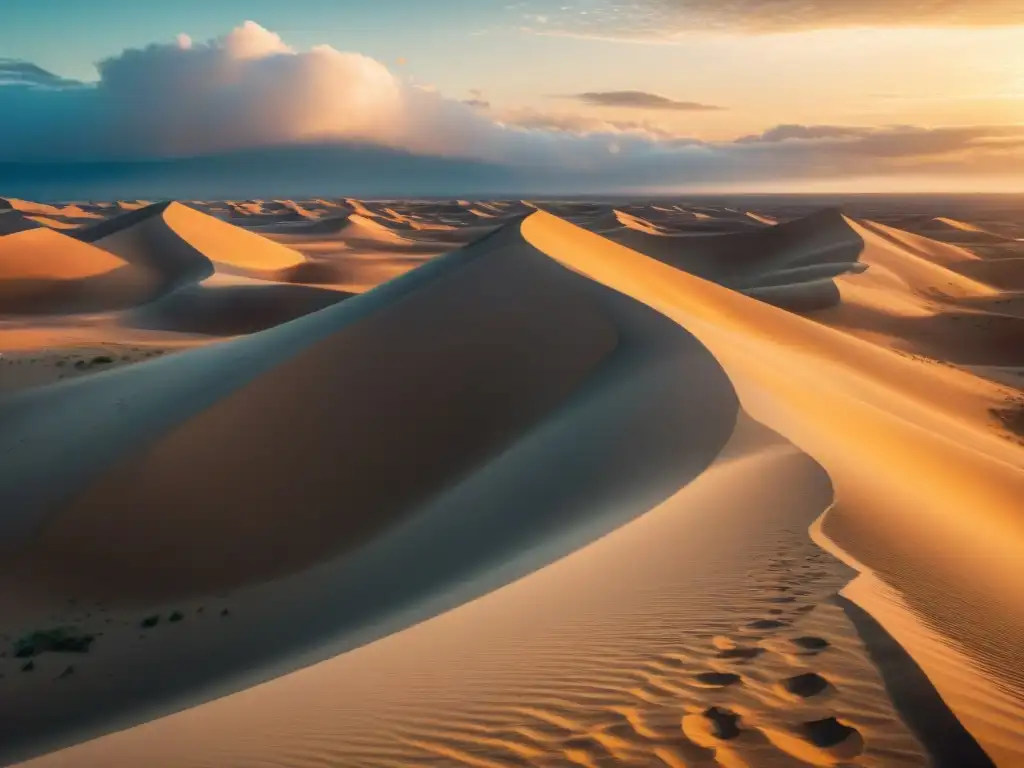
<point>466,97</point>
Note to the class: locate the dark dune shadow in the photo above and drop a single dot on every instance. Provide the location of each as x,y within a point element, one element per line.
<point>231,309</point>
<point>960,338</point>
<point>1005,273</point>
<point>106,227</point>
<point>949,744</point>
<point>118,289</point>
<point>617,445</point>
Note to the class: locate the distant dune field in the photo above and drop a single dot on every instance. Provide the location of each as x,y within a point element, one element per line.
<point>506,484</point>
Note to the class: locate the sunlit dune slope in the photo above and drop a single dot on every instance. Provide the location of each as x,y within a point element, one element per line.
<point>44,271</point>
<point>187,245</point>
<point>919,472</point>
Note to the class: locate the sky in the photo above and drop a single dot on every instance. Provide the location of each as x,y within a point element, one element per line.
<point>703,95</point>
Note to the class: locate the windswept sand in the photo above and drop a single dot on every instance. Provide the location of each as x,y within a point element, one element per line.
<point>602,485</point>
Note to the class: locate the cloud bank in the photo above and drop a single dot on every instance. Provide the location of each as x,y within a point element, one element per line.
<point>640,100</point>
<point>250,92</point>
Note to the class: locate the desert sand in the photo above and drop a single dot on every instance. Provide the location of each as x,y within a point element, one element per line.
<point>511,483</point>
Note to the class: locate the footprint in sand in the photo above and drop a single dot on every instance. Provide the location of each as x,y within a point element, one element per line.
<point>740,652</point>
<point>839,739</point>
<point>810,645</point>
<point>819,742</point>
<point>716,679</point>
<point>722,723</point>
<point>767,624</point>
<point>806,685</point>
<point>711,727</point>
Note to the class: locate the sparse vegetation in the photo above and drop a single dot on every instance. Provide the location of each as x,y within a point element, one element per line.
<point>102,360</point>
<point>56,640</point>
<point>176,616</point>
<point>150,621</point>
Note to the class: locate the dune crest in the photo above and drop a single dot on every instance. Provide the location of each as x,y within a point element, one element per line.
<point>187,245</point>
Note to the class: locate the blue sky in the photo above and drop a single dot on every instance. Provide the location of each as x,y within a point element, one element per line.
<point>67,36</point>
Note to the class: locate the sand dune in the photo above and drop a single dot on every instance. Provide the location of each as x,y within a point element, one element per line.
<point>45,272</point>
<point>218,307</point>
<point>790,265</point>
<point>13,221</point>
<point>28,207</point>
<point>892,430</point>
<point>550,357</point>
<point>186,245</point>
<point>596,487</point>
<point>361,229</point>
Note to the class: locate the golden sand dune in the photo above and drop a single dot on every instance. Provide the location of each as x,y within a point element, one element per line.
<point>188,269</point>
<point>892,429</point>
<point>45,272</point>
<point>550,357</point>
<point>790,265</point>
<point>568,495</point>
<point>57,217</point>
<point>28,207</point>
<point>186,245</point>
<point>370,230</point>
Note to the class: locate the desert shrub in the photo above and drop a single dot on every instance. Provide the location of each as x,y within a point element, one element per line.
<point>56,640</point>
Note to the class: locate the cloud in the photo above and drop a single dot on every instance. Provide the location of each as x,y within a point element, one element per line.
<point>654,20</point>
<point>244,90</point>
<point>640,100</point>
<point>22,73</point>
<point>248,91</point>
<point>886,144</point>
<point>533,119</point>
